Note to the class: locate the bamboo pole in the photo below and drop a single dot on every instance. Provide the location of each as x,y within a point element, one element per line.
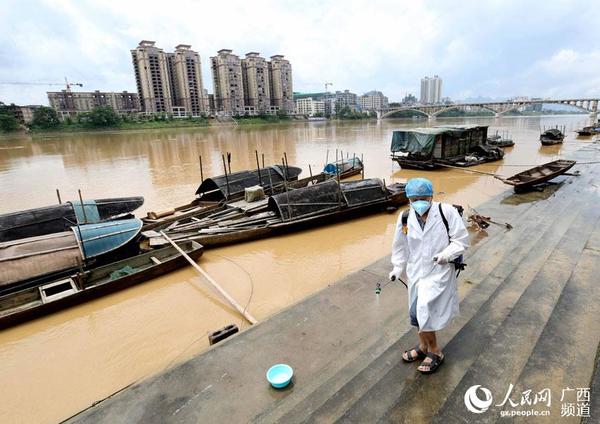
<point>201,172</point>
<point>287,166</point>
<point>310,170</point>
<point>363,166</point>
<point>58,195</point>
<point>229,161</point>
<point>82,207</point>
<point>263,159</point>
<point>258,167</point>
<point>226,177</point>
<point>223,293</point>
<point>326,157</point>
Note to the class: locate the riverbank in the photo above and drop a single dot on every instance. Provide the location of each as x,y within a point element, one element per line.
<point>526,296</point>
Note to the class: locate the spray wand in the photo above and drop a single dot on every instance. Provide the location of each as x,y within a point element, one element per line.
<point>380,286</point>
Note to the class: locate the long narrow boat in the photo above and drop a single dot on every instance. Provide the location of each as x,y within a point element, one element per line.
<point>525,180</point>
<point>79,287</point>
<point>292,210</point>
<point>57,218</point>
<point>552,136</point>
<point>31,258</point>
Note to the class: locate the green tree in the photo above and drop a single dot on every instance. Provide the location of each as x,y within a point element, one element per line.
<point>45,118</point>
<point>8,122</point>
<point>100,117</point>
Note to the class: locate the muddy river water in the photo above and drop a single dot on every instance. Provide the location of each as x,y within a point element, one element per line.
<point>53,367</point>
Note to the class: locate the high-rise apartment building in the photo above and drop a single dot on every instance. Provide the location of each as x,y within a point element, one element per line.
<point>431,90</point>
<point>281,87</point>
<point>152,76</point>
<point>228,83</point>
<point>185,74</point>
<point>257,92</point>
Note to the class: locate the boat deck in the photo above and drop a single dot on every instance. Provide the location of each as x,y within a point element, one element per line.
<point>527,296</point>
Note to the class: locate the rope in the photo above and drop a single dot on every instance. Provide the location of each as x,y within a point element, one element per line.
<point>249,279</point>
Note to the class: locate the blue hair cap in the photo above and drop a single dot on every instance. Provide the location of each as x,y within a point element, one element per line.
<point>417,187</point>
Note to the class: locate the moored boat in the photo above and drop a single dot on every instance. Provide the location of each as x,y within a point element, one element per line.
<point>552,136</point>
<point>526,180</point>
<point>293,210</point>
<point>431,148</point>
<point>214,192</point>
<point>30,258</point>
<point>58,218</point>
<point>78,287</point>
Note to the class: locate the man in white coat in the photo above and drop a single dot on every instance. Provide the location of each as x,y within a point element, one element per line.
<point>426,241</point>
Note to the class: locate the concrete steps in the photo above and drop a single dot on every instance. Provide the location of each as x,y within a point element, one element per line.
<point>348,391</point>
<point>508,351</point>
<point>340,390</point>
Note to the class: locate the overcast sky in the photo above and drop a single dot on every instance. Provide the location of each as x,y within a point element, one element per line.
<point>498,48</point>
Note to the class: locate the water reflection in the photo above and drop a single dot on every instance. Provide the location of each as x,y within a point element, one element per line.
<point>85,353</point>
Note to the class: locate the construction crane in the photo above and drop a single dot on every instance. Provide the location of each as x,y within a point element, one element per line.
<point>66,83</point>
<point>327,84</point>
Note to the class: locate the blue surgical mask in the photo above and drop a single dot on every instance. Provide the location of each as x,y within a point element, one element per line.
<point>420,206</point>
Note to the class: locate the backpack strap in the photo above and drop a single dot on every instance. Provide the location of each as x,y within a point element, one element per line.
<point>404,219</point>
<point>445,220</point>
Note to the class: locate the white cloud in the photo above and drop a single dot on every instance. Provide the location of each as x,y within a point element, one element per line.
<point>487,48</point>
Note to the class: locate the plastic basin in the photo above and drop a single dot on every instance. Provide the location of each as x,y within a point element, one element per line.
<point>280,375</point>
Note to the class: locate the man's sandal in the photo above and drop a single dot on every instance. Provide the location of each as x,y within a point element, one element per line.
<point>409,358</point>
<point>435,363</point>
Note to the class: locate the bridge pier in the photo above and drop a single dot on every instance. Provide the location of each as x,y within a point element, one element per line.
<point>431,117</point>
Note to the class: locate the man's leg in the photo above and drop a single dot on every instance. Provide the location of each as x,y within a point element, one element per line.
<point>431,343</point>
<point>422,343</point>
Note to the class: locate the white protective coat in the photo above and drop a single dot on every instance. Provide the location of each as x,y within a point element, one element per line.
<point>433,285</point>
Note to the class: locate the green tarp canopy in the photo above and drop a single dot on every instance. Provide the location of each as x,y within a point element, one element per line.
<point>419,140</point>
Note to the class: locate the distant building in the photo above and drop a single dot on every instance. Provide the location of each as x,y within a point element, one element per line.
<point>310,107</point>
<point>257,93</point>
<point>228,83</point>
<point>70,103</point>
<point>153,77</point>
<point>409,99</point>
<point>280,84</point>
<point>373,100</point>
<point>346,98</point>
<point>185,75</point>
<point>431,90</point>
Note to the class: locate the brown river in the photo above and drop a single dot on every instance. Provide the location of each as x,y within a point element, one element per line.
<point>53,367</point>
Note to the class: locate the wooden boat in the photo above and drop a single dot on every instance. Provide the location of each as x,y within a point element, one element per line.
<point>57,218</point>
<point>33,257</point>
<point>591,130</point>
<point>292,210</point>
<point>552,136</point>
<point>431,148</point>
<point>214,192</point>
<point>199,207</point>
<point>525,180</point>
<point>35,301</point>
<point>345,167</point>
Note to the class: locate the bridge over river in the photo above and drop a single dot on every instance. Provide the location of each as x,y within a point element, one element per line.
<point>499,108</point>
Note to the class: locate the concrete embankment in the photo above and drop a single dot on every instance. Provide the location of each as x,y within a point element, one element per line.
<point>530,304</point>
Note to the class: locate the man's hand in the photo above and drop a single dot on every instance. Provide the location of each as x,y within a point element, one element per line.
<point>395,274</point>
<point>441,259</point>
